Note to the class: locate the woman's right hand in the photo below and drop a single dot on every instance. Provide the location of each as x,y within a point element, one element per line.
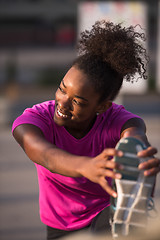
<point>98,168</point>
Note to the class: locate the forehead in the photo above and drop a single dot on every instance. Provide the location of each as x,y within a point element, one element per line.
<point>78,82</point>
<point>76,76</point>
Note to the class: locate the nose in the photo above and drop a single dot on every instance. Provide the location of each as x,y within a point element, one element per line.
<point>65,103</point>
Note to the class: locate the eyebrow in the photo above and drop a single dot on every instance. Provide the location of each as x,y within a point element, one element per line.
<point>81,98</point>
<point>63,83</point>
<point>76,96</point>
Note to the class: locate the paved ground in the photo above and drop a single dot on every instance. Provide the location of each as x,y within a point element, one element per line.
<point>19,213</point>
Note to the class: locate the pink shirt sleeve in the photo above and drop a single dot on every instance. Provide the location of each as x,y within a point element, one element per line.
<point>118,118</point>
<point>38,116</point>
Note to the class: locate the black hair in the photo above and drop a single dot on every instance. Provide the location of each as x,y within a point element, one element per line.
<point>108,53</point>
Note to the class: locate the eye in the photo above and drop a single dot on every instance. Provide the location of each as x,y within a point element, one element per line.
<point>61,89</point>
<point>78,103</point>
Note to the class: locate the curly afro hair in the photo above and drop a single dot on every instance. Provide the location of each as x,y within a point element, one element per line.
<point>109,53</point>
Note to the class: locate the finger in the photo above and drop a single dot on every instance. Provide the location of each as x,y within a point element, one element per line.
<point>127,134</point>
<point>151,163</point>
<point>152,171</point>
<point>112,165</point>
<point>104,184</point>
<point>108,152</point>
<point>110,174</point>
<point>150,151</point>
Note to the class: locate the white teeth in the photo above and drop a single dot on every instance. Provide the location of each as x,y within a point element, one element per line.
<point>61,114</point>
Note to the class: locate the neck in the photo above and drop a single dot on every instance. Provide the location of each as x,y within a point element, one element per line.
<point>81,132</point>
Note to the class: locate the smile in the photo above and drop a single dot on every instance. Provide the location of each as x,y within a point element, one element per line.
<point>61,114</point>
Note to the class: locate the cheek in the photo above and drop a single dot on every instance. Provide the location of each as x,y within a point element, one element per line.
<point>84,114</point>
<point>56,94</point>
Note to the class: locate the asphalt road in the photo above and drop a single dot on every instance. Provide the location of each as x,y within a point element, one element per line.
<point>19,210</point>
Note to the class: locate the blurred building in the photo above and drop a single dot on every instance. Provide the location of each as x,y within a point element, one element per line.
<point>38,37</point>
<point>35,38</point>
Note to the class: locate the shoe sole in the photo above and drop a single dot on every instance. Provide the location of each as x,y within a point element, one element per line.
<point>133,189</point>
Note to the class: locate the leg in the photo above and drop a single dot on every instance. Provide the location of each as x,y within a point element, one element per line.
<point>100,223</point>
<point>53,233</point>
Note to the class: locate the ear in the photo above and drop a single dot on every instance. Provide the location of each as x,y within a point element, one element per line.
<point>104,106</point>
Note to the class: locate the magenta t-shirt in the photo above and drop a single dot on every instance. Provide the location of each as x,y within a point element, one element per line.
<point>71,203</point>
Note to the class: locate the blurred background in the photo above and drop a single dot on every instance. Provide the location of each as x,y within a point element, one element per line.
<point>37,45</point>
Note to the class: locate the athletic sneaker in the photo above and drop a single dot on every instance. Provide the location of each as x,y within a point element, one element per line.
<point>129,209</point>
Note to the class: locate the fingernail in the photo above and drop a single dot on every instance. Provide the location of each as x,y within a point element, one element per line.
<point>118,175</point>
<point>139,154</point>
<point>114,195</point>
<point>141,167</point>
<point>121,167</point>
<point>120,153</point>
<point>146,173</point>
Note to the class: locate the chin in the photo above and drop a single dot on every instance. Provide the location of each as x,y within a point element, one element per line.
<point>58,122</point>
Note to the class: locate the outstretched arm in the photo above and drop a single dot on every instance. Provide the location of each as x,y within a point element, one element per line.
<point>96,169</point>
<point>42,152</point>
<point>135,127</point>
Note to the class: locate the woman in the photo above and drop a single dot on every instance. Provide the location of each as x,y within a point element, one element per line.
<point>72,140</point>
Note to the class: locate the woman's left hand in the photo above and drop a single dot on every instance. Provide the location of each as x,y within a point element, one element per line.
<point>152,166</point>
<point>136,128</point>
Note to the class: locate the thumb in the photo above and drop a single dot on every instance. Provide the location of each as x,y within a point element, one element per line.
<point>127,134</point>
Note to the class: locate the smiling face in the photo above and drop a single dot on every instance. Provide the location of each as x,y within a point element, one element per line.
<point>76,102</point>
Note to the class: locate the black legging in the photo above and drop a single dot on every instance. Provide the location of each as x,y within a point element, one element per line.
<point>99,225</point>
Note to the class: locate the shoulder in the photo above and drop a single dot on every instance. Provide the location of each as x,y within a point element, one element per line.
<point>43,111</point>
<point>40,115</point>
<point>115,118</point>
<point>118,113</point>
<point>44,107</point>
